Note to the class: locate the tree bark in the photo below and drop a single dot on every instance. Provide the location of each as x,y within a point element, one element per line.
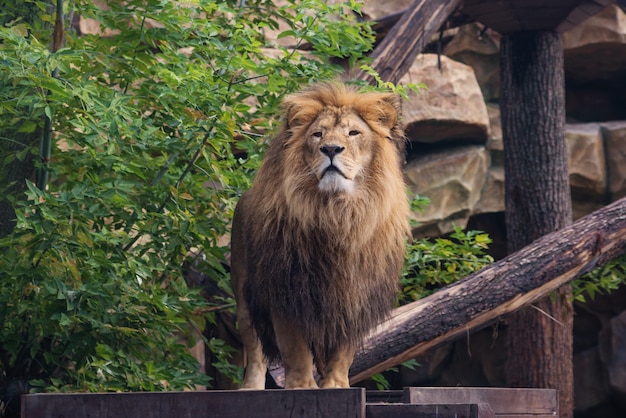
<point>537,197</point>
<point>483,297</point>
<point>393,57</point>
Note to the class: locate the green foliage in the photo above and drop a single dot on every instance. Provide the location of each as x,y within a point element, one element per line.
<point>432,264</point>
<point>601,280</point>
<point>402,90</point>
<point>157,131</point>
<point>380,379</point>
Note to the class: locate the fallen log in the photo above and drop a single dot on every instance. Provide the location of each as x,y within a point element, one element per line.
<point>481,298</point>
<point>393,57</point>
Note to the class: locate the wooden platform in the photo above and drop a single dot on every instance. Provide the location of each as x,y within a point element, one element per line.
<point>504,402</point>
<point>331,403</point>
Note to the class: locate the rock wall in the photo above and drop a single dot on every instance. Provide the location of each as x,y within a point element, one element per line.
<point>456,120</point>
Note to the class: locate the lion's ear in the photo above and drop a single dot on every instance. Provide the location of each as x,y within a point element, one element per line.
<point>299,110</point>
<point>383,108</point>
<point>390,110</point>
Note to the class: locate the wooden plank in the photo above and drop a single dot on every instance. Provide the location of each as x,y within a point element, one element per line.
<point>510,16</point>
<point>503,401</point>
<point>318,403</point>
<point>384,396</point>
<point>428,411</point>
<point>581,13</point>
<point>525,416</point>
<point>485,411</point>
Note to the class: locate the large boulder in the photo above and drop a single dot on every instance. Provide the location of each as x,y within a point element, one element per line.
<point>451,108</point>
<point>495,128</point>
<point>478,47</point>
<point>492,194</point>
<point>595,63</point>
<point>613,354</point>
<point>596,49</point>
<point>615,142</point>
<point>452,180</point>
<point>375,9</point>
<point>590,386</point>
<point>587,165</point>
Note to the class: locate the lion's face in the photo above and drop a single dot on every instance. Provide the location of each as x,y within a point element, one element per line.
<point>336,140</point>
<point>338,150</point>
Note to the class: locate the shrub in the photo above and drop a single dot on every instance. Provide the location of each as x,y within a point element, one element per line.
<point>155,132</point>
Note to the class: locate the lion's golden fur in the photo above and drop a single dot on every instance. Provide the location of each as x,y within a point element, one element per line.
<point>325,255</point>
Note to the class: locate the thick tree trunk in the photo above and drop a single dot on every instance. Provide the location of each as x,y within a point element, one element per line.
<point>485,296</point>
<point>539,341</point>
<point>395,54</point>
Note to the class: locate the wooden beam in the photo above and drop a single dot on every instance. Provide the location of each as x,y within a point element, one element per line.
<point>502,401</point>
<point>454,410</point>
<point>481,298</point>
<point>303,403</point>
<point>393,57</point>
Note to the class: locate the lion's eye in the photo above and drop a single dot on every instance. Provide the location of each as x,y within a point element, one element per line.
<point>353,132</point>
<point>317,134</point>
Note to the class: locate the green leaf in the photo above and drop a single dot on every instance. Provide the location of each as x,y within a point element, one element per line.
<point>28,126</point>
<point>287,33</point>
<point>20,30</point>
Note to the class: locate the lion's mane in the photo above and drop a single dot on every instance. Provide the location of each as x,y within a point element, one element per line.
<point>329,263</point>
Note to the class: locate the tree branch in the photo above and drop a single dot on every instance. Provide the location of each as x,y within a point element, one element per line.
<point>395,54</point>
<point>481,298</point>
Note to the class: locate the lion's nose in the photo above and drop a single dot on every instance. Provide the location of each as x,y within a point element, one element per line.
<point>331,150</point>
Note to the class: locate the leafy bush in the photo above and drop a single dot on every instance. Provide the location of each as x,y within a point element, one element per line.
<point>156,132</point>
<point>432,264</point>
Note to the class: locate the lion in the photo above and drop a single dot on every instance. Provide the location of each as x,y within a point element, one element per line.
<point>318,242</point>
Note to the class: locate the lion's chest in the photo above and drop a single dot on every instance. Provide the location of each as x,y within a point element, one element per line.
<point>304,264</point>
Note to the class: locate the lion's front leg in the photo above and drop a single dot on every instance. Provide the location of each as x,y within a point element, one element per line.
<point>296,355</point>
<point>256,365</point>
<point>334,372</point>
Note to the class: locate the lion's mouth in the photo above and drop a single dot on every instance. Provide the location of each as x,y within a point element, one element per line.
<point>334,169</point>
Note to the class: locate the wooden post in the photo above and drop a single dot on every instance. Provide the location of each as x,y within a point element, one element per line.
<point>537,197</point>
